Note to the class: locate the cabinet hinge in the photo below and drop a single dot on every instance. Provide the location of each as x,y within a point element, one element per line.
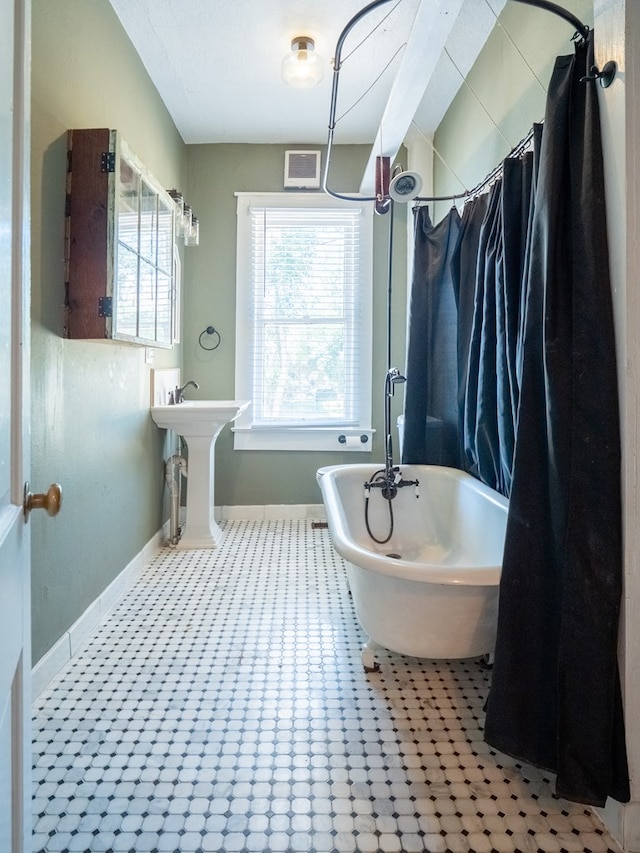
<point>108,161</point>
<point>105,306</point>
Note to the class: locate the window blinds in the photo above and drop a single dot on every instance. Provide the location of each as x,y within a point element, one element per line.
<point>306,301</point>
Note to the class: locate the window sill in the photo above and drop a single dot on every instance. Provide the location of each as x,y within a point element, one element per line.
<point>303,438</point>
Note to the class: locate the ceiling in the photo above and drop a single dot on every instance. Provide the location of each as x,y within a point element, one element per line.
<point>216,65</point>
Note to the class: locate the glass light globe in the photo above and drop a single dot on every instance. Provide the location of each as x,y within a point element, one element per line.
<point>302,68</point>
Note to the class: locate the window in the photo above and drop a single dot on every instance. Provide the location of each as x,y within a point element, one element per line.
<point>303,322</point>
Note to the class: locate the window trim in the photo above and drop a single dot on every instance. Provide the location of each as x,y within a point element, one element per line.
<point>356,437</point>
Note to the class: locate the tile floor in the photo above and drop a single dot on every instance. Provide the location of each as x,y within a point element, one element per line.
<point>222,706</point>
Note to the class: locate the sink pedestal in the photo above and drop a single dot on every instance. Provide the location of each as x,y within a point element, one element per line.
<point>199,423</point>
<point>201,529</point>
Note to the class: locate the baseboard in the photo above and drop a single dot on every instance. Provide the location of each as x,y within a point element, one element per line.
<point>270,512</point>
<point>61,653</point>
<point>622,820</point>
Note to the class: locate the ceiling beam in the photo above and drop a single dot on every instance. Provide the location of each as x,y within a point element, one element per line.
<point>431,28</point>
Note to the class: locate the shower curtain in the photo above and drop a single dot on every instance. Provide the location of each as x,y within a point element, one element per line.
<point>464,326</point>
<point>537,419</point>
<point>555,693</point>
<point>491,391</point>
<point>431,395</point>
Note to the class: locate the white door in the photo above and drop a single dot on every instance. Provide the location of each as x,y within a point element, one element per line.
<point>15,664</point>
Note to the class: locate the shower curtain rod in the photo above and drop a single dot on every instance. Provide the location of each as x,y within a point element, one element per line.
<point>516,151</point>
<point>605,78</point>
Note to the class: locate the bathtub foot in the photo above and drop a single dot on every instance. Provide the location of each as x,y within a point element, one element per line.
<point>368,656</point>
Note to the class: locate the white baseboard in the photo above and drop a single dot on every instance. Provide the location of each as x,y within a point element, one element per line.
<point>270,512</point>
<point>67,646</point>
<point>622,820</point>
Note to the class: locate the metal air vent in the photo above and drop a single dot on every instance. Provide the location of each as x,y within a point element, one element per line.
<point>302,169</point>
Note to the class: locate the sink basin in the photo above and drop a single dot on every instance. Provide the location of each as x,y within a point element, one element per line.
<point>199,422</point>
<point>198,417</point>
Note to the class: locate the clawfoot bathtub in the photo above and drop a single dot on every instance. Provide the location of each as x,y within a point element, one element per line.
<point>431,590</point>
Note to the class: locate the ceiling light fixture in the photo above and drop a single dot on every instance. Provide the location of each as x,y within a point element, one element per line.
<point>302,68</point>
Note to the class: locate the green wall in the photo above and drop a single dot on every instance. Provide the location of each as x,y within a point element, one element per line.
<point>91,429</point>
<point>504,94</point>
<point>216,172</point>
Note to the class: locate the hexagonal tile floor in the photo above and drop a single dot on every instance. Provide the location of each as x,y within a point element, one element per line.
<point>222,706</point>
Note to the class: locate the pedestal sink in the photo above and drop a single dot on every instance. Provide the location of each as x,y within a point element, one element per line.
<point>199,422</point>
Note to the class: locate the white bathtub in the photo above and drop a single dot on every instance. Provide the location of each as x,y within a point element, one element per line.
<point>439,599</point>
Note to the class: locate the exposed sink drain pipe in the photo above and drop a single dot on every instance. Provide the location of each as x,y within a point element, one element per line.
<point>174,469</point>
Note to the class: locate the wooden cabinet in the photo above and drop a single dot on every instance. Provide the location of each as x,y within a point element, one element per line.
<point>121,261</point>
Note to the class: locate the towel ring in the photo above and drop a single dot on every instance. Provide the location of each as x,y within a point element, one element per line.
<point>210,331</point>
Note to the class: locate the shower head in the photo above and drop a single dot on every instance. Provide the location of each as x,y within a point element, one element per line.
<point>404,186</point>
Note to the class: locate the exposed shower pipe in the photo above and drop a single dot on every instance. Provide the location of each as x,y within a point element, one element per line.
<point>174,469</point>
<point>604,77</point>
<point>388,479</point>
<point>337,65</point>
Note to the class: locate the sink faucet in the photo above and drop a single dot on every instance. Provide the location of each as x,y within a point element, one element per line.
<point>177,396</point>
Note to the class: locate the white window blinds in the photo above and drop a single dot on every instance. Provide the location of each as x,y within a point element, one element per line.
<point>306,299</point>
<point>306,307</point>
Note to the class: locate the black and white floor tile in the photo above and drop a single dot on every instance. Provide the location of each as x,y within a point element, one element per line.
<point>222,706</point>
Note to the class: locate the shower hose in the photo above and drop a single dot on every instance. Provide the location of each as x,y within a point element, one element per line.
<point>386,494</point>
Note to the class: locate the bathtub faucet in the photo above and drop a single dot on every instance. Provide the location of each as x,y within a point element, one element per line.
<point>389,481</point>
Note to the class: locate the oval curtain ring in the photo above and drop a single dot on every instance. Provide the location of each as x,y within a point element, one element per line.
<point>210,331</point>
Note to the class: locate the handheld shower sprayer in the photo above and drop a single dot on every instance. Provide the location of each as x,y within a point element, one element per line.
<point>393,378</point>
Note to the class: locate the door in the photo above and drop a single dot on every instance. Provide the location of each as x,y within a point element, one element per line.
<point>15,663</point>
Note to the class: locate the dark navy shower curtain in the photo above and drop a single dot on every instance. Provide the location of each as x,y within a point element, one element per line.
<point>555,694</point>
<point>491,391</point>
<point>463,271</point>
<point>431,394</point>
<point>536,405</point>
<point>464,327</point>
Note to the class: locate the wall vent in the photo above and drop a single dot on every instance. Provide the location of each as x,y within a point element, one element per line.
<point>302,169</point>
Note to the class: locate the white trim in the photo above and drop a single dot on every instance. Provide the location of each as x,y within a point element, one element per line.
<point>271,512</point>
<point>294,437</point>
<point>616,25</point>
<point>303,438</point>
<point>71,641</point>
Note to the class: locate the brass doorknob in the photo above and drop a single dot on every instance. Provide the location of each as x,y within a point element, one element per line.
<point>50,501</point>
